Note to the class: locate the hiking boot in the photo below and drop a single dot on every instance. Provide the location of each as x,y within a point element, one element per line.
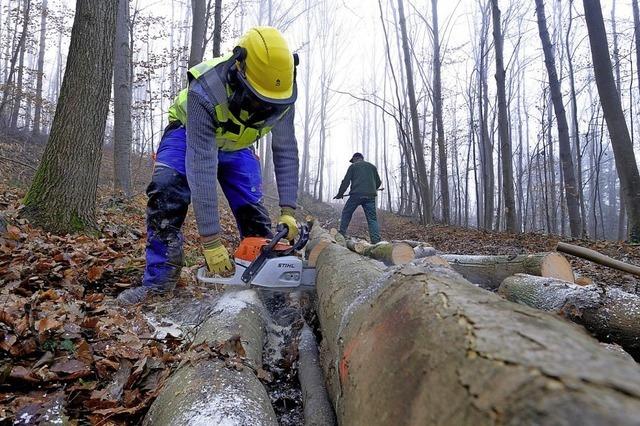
<point>133,296</point>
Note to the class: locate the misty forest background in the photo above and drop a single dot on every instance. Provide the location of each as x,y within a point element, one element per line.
<point>498,114</point>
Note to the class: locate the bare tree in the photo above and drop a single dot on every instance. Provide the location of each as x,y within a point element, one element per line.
<point>614,115</point>
<point>571,191</point>
<point>423,183</point>
<point>636,32</point>
<point>122,133</point>
<point>437,112</point>
<point>16,53</point>
<point>217,28</point>
<point>503,123</point>
<point>40,71</point>
<point>63,192</point>
<point>198,27</point>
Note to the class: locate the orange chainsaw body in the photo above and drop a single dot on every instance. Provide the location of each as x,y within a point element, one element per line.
<point>250,248</point>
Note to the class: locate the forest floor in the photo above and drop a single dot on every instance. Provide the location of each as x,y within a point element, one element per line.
<point>67,350</point>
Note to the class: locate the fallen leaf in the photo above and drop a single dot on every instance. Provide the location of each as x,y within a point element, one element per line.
<point>264,375</point>
<point>90,322</point>
<point>22,374</point>
<point>105,367</point>
<point>23,348</point>
<point>6,318</point>
<point>12,233</point>
<point>83,352</point>
<point>94,298</point>
<point>45,324</point>
<point>50,294</point>
<point>71,367</point>
<point>95,273</point>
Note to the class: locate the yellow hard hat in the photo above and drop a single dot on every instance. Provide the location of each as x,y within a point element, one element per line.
<point>267,65</point>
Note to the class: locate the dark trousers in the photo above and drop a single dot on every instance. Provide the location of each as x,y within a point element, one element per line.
<point>369,206</point>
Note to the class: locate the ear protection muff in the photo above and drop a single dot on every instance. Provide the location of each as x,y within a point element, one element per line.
<point>239,53</point>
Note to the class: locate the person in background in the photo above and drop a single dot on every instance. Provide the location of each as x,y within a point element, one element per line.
<point>231,102</point>
<point>364,180</point>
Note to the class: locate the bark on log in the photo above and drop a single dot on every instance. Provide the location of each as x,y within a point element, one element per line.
<point>489,271</point>
<point>317,407</point>
<point>412,243</point>
<point>598,257</point>
<point>610,314</point>
<point>207,391</point>
<point>388,253</point>
<point>423,251</point>
<point>421,345</point>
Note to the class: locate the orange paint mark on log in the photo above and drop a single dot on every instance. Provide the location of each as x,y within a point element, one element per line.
<point>368,340</point>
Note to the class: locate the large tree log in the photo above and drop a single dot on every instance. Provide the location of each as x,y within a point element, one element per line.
<point>597,257</point>
<point>421,345</point>
<point>388,253</point>
<point>489,271</point>
<point>317,406</point>
<point>610,313</point>
<point>207,391</point>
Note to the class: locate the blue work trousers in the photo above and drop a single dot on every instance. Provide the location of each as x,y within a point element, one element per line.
<point>169,197</point>
<point>368,204</point>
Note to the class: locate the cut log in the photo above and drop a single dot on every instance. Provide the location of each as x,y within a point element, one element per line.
<point>207,390</point>
<point>598,258</point>
<point>423,251</point>
<point>423,346</point>
<point>385,252</point>
<point>610,314</point>
<point>317,406</point>
<point>489,271</point>
<point>412,243</point>
<point>319,239</point>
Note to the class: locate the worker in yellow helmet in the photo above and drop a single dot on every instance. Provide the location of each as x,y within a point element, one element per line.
<point>230,103</point>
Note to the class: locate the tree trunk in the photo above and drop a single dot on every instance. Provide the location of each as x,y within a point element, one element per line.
<point>63,192</point>
<point>198,13</point>
<point>636,33</point>
<point>424,346</point>
<point>610,314</point>
<point>423,182</point>
<point>37,119</point>
<point>20,46</point>
<point>19,87</point>
<point>489,271</point>
<point>122,133</point>
<point>503,124</point>
<point>570,186</point>
<point>209,390</point>
<point>217,28</point>
<point>614,115</point>
<point>437,112</point>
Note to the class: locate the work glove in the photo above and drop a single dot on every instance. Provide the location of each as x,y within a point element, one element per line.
<point>286,218</point>
<point>216,256</point>
<point>338,197</point>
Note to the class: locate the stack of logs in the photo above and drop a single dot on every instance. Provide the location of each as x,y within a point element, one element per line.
<point>426,343</point>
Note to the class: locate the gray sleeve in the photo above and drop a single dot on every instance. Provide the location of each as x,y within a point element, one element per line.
<point>285,159</point>
<point>202,163</point>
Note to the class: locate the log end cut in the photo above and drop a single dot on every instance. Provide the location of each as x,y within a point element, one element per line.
<point>555,265</point>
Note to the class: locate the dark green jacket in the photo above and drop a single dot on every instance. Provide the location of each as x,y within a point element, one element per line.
<point>364,179</point>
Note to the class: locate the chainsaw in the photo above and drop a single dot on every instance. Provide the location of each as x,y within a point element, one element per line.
<point>269,263</point>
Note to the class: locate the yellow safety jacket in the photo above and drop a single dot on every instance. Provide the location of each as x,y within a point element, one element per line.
<point>231,133</point>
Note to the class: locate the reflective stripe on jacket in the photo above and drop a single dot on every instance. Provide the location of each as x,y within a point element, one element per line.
<point>231,133</point>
